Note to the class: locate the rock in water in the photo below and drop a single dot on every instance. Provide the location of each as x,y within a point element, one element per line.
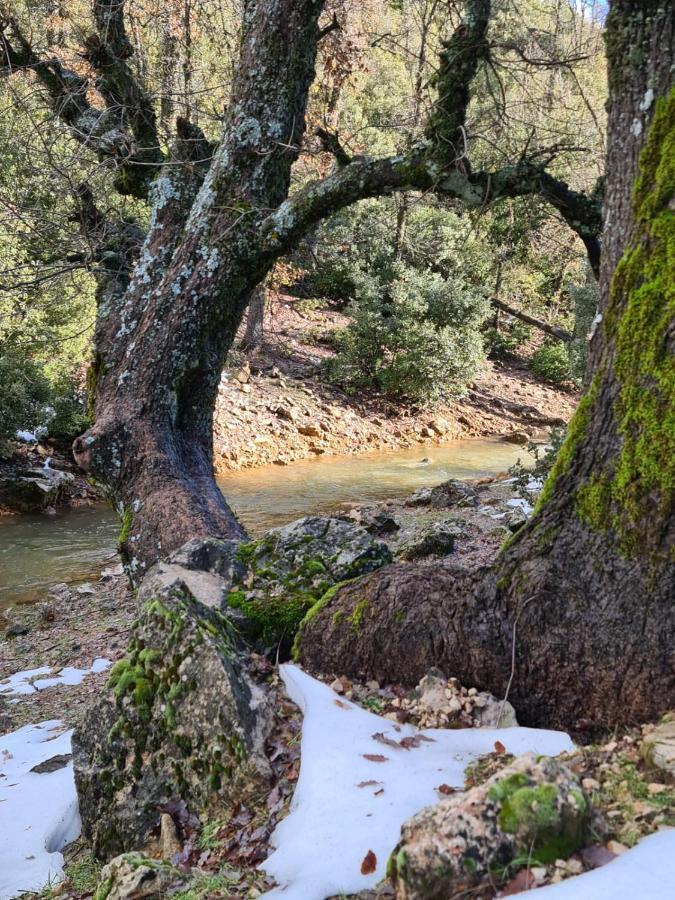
<point>181,720</point>
<point>33,490</point>
<point>534,809</point>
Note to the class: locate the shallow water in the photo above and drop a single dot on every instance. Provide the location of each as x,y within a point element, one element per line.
<point>37,551</point>
<point>273,495</point>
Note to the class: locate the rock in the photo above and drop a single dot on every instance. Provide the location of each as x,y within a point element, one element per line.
<point>286,412</point>
<point>244,374</point>
<point>516,437</point>
<point>516,519</point>
<point>437,539</point>
<point>438,426</point>
<point>534,808</point>
<point>427,432</point>
<point>292,568</point>
<point>489,712</point>
<point>133,876</point>
<point>16,629</point>
<point>420,497</point>
<point>33,490</point>
<point>658,747</point>
<point>181,718</point>
<point>309,430</point>
<point>453,493</point>
<point>59,592</point>
<point>169,844</point>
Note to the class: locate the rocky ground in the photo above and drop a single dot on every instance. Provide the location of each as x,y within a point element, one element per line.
<point>628,787</point>
<point>275,406</point>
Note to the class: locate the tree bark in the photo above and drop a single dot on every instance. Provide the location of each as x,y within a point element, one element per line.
<point>576,621</point>
<point>255,317</point>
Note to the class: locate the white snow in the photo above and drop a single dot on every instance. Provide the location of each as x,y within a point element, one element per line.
<point>26,436</point>
<point>526,507</point>
<point>334,823</point>
<point>38,812</point>
<point>27,682</point>
<point>647,872</point>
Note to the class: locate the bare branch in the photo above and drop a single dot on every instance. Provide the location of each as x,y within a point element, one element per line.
<point>331,144</point>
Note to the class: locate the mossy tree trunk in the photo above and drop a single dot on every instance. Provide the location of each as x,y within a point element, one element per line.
<point>577,619</point>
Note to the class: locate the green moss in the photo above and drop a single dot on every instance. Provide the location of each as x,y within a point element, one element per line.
<point>322,602</point>
<point>635,491</point>
<point>338,617</point>
<point>356,618</point>
<point>125,530</point>
<point>103,889</point>
<point>576,433</point>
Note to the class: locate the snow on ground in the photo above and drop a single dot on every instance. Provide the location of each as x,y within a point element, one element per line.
<point>28,682</point>
<point>38,810</point>
<point>647,872</point>
<point>354,791</point>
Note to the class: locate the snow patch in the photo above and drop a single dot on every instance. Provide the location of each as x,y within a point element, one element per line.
<point>646,872</point>
<point>38,811</point>
<point>526,507</point>
<point>334,822</point>
<point>28,682</point>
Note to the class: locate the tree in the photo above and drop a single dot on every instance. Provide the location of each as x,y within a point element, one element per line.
<point>576,620</point>
<point>170,301</point>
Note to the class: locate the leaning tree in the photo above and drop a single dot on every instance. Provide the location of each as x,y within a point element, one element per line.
<point>583,596</point>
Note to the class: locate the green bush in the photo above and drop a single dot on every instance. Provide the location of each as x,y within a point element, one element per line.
<point>414,336</point>
<point>551,362</point>
<point>24,394</point>
<point>584,299</point>
<point>503,342</point>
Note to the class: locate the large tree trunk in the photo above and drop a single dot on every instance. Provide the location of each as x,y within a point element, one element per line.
<point>577,619</point>
<point>161,342</point>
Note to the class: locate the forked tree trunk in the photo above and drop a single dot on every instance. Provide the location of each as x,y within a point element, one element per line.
<point>577,619</point>
<point>161,339</point>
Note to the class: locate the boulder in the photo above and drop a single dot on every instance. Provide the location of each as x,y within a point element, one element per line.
<point>33,490</point>
<point>437,539</point>
<point>532,810</point>
<point>133,876</point>
<point>181,719</point>
<point>291,568</point>
<point>658,747</point>
<point>453,493</point>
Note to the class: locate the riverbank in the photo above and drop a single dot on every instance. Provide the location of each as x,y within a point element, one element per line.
<point>275,406</point>
<point>79,625</point>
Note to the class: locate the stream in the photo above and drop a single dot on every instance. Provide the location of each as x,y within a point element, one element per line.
<point>38,551</point>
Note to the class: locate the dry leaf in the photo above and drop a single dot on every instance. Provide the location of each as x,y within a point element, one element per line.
<point>341,704</point>
<point>369,863</point>
<point>445,789</point>
<point>383,739</point>
<point>368,783</point>
<point>375,757</point>
<point>499,747</point>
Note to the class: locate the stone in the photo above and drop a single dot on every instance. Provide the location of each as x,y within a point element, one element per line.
<point>437,539</point>
<point>133,876</point>
<point>453,493</point>
<point>438,426</point>
<point>169,844</point>
<point>244,374</point>
<point>291,568</point>
<point>309,429</point>
<point>516,519</point>
<point>658,748</point>
<point>181,717</point>
<point>516,437</point>
<point>35,489</point>
<point>286,412</point>
<point>420,497</point>
<point>16,629</point>
<point>489,712</point>
<point>534,808</point>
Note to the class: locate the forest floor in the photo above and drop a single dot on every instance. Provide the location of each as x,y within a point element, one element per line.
<point>276,406</point>
<point>76,624</point>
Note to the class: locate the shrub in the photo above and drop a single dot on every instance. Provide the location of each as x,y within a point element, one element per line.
<point>584,299</point>
<point>543,458</point>
<point>551,362</point>
<point>24,393</point>
<point>414,335</point>
<point>502,342</point>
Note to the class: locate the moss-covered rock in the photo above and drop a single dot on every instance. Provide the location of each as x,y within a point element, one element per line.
<point>289,570</point>
<point>181,719</point>
<point>534,810</point>
<point>132,876</point>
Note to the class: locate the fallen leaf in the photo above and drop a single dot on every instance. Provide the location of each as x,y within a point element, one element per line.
<point>445,789</point>
<point>375,757</point>
<point>377,793</point>
<point>368,783</point>
<point>383,739</point>
<point>523,881</point>
<point>369,863</point>
<point>341,704</point>
<point>499,747</point>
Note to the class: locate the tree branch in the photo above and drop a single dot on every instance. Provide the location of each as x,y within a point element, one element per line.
<point>331,144</point>
<point>553,330</point>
